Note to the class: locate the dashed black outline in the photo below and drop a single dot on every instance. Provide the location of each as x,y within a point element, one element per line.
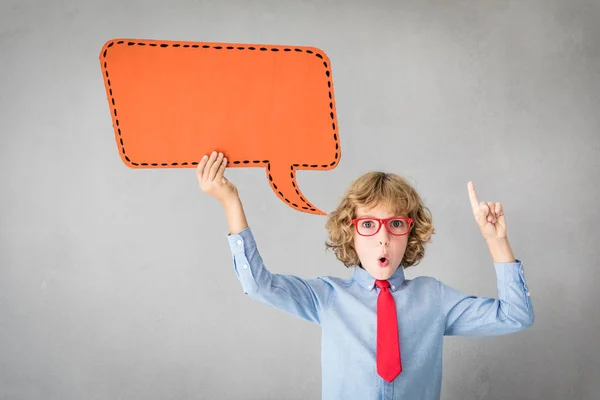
<point>267,162</point>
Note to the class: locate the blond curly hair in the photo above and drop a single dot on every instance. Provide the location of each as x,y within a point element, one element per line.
<point>379,189</point>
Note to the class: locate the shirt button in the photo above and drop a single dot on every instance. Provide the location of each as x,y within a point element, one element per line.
<point>245,266</point>
<point>370,286</point>
<point>239,242</point>
<point>393,287</point>
<point>528,294</point>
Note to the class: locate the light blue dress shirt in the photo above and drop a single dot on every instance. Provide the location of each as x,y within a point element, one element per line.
<point>346,310</point>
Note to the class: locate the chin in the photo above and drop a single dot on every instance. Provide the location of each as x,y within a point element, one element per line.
<point>382,273</point>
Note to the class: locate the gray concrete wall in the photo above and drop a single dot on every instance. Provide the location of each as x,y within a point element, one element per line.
<point>118,283</point>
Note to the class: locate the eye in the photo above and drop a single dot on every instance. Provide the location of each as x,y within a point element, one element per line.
<point>397,223</point>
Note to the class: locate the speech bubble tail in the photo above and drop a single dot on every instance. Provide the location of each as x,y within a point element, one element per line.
<point>283,183</point>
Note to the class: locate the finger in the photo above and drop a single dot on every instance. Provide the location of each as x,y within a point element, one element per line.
<point>221,170</point>
<point>484,210</point>
<point>208,166</point>
<point>215,167</point>
<point>481,213</point>
<point>472,196</point>
<point>492,216</point>
<point>200,167</point>
<point>500,213</point>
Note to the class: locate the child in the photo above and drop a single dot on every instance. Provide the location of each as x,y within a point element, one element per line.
<point>381,333</point>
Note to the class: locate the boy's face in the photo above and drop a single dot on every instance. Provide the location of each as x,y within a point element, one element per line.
<point>370,248</point>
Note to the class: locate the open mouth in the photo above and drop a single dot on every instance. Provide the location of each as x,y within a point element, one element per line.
<point>383,262</point>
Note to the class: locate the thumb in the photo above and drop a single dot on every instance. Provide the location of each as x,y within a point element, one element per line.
<point>481,214</point>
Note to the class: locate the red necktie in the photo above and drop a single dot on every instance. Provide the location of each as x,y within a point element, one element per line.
<point>388,346</point>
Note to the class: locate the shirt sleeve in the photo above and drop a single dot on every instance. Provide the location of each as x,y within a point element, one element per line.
<point>468,315</point>
<point>303,298</point>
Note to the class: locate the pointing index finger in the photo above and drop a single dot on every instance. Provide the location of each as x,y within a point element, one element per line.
<point>472,195</point>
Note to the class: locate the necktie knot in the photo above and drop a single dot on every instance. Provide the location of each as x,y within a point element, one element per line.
<point>382,284</point>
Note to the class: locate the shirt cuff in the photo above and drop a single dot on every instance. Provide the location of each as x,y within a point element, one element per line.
<point>241,242</point>
<point>510,271</point>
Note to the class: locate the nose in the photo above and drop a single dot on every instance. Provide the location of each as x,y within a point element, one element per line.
<point>383,236</point>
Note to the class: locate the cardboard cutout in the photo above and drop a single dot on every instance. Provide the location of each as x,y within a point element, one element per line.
<point>261,105</point>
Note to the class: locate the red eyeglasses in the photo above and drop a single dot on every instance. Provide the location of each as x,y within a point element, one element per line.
<point>398,226</point>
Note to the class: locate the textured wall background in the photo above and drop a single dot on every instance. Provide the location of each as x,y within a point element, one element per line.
<point>118,283</point>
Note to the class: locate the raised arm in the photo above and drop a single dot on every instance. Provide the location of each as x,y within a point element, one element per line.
<point>303,298</point>
<point>512,311</point>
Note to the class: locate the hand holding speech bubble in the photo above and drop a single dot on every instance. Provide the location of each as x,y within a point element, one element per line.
<point>261,105</point>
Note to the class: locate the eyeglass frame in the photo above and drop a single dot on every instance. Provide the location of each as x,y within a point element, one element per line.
<point>383,222</point>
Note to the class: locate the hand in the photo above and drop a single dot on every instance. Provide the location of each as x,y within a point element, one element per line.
<point>489,216</point>
<point>210,177</point>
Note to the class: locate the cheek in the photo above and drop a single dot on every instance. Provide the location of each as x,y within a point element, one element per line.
<point>400,245</point>
<point>360,246</point>
<point>402,241</point>
<point>357,245</point>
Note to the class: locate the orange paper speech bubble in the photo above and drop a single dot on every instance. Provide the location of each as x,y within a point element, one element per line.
<point>261,105</point>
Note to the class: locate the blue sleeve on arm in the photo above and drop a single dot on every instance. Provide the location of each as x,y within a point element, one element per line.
<point>512,311</point>
<point>303,298</point>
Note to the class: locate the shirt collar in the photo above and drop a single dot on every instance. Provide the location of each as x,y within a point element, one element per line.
<point>364,278</point>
